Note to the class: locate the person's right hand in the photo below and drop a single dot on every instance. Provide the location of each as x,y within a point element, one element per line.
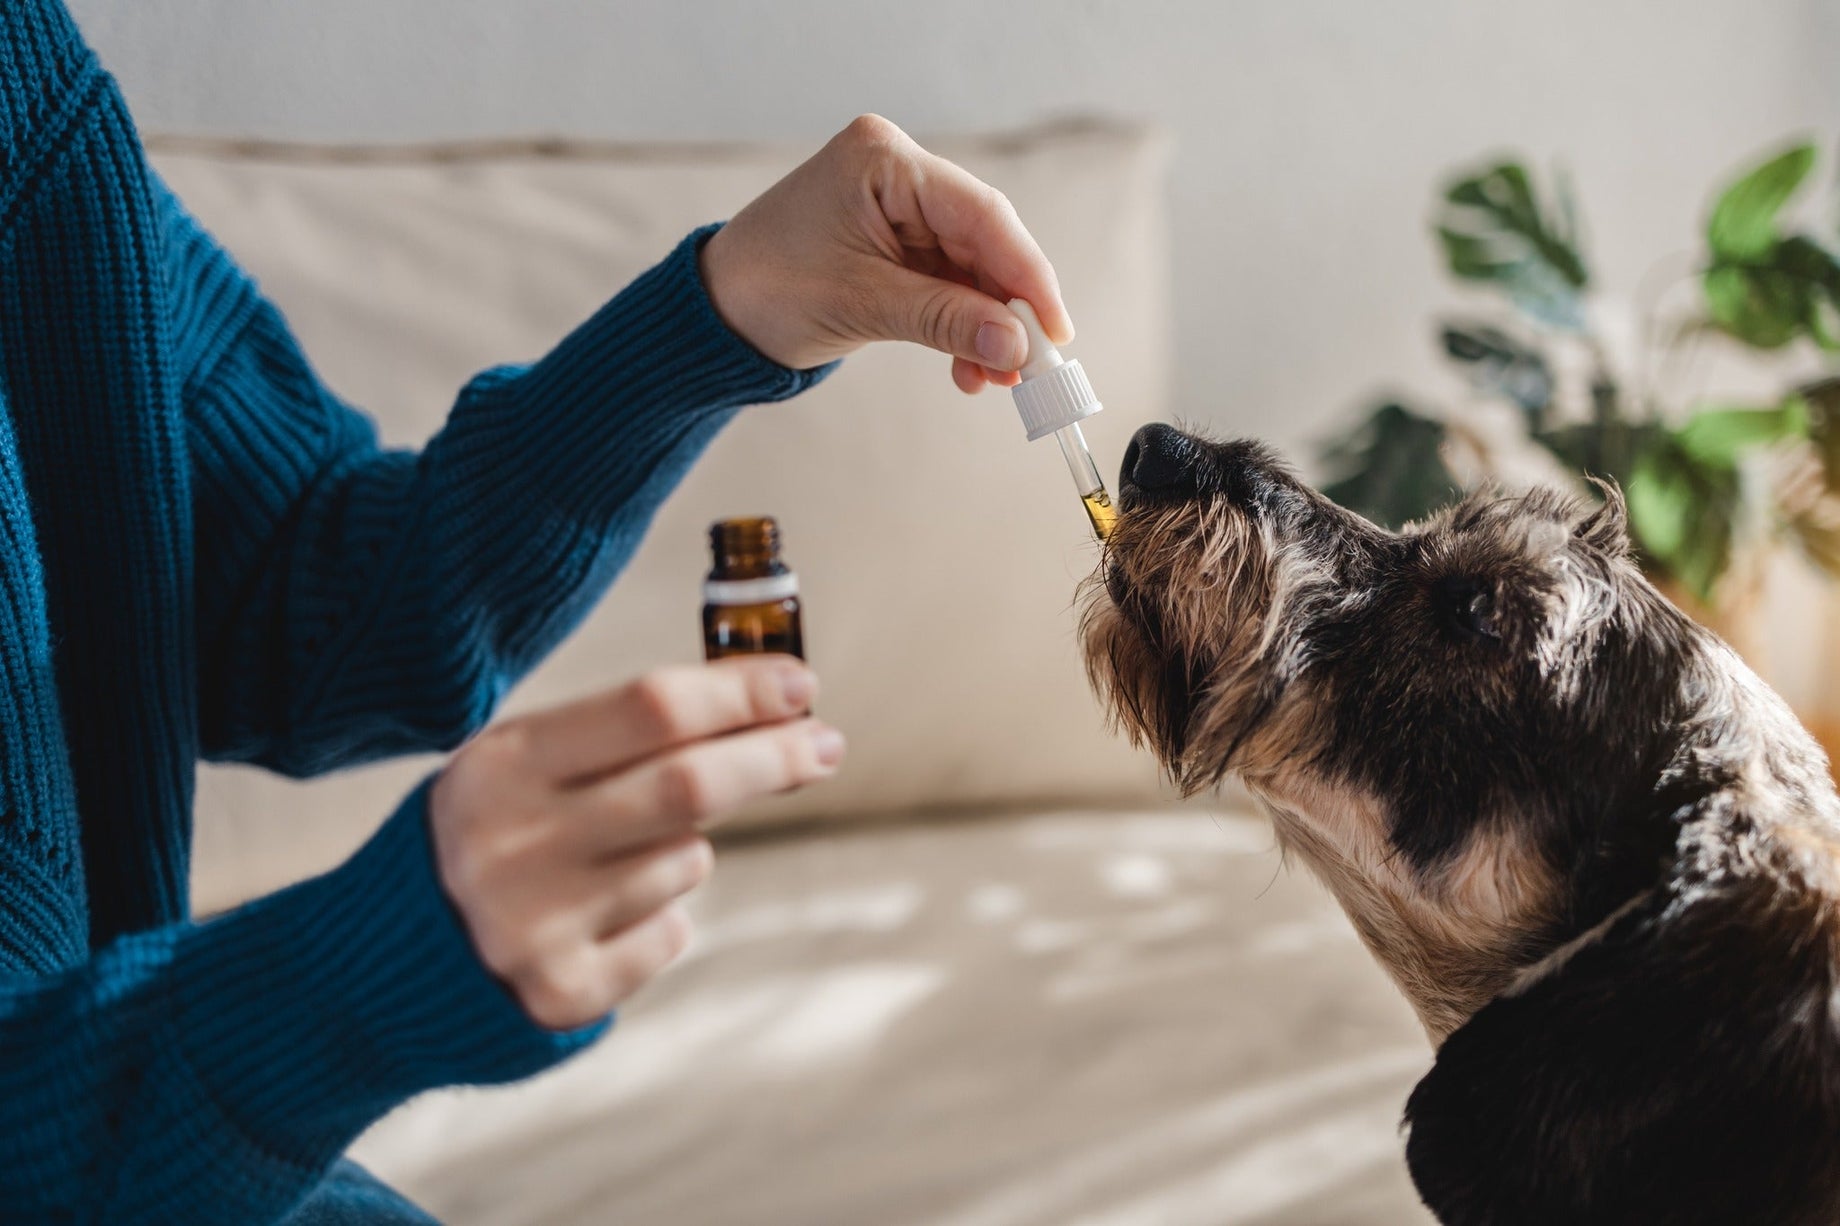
<point>873,238</point>
<point>565,838</point>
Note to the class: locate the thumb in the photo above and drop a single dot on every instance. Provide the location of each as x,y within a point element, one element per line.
<point>952,318</point>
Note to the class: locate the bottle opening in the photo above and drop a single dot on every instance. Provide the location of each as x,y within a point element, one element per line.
<point>745,548</point>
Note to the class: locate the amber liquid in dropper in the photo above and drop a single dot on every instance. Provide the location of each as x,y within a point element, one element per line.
<point>1100,510</point>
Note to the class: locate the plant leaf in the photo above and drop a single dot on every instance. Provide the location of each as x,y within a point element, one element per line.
<point>1743,222</point>
<point>1759,305</point>
<point>1761,287</point>
<point>1818,270</point>
<point>1500,365</point>
<point>1681,513</point>
<point>1683,486</point>
<point>1392,468</point>
<point>1791,288</point>
<point>1494,230</point>
<point>1720,436</point>
<point>1606,448</point>
<point>1476,259</point>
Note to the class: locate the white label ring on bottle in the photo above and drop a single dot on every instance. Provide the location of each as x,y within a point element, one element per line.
<point>750,591</point>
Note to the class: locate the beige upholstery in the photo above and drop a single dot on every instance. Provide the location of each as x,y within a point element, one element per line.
<point>939,551</point>
<point>1120,1019</point>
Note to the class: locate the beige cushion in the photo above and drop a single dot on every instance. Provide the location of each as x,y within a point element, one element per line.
<point>1123,1018</point>
<point>939,551</point>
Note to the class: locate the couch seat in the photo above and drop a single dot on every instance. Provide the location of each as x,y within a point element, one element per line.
<point>1029,1020</point>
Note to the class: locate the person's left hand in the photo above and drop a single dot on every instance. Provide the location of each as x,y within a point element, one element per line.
<point>874,239</point>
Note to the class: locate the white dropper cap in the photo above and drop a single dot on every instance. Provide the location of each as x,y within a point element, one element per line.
<point>1054,393</point>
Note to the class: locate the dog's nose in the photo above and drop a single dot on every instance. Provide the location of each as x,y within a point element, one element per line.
<point>1160,459</point>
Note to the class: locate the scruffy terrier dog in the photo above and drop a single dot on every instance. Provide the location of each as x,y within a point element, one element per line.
<point>1597,854</point>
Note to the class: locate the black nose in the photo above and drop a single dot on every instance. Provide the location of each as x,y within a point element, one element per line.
<point>1160,458</point>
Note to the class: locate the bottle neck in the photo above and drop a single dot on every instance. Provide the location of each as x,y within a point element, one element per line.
<point>744,549</point>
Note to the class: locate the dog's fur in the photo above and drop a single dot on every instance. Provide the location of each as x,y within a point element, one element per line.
<point>1597,854</point>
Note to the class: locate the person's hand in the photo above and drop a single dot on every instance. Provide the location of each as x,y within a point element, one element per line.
<point>565,838</point>
<point>875,239</point>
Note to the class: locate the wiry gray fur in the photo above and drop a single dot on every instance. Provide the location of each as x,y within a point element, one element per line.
<point>1517,766</point>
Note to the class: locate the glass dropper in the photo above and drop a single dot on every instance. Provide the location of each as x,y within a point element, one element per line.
<point>1098,503</point>
<point>1053,397</point>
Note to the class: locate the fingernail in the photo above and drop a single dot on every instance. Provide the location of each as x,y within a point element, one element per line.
<point>827,743</point>
<point>1001,346</point>
<point>800,686</point>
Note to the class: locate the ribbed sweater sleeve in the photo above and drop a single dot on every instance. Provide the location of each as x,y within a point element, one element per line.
<point>191,522</point>
<point>356,602</point>
<point>212,1072</point>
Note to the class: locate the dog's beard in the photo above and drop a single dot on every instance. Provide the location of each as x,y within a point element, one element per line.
<point>1178,628</point>
<point>1192,631</point>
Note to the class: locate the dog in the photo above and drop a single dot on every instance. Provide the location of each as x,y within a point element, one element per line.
<point>1595,852</point>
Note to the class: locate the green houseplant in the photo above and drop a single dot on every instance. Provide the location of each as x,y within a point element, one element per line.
<point>1708,484</point>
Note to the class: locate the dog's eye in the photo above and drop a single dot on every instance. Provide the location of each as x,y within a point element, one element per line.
<point>1467,607</point>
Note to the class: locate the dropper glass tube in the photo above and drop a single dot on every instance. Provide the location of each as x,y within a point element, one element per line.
<point>1086,479</point>
<point>1052,396</point>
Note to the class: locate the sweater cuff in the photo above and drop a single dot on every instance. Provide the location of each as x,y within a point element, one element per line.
<point>311,1012</point>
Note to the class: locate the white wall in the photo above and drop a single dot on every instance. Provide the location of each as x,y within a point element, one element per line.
<point>1309,132</point>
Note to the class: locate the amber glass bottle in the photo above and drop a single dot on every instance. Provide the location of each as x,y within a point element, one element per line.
<point>751,598</point>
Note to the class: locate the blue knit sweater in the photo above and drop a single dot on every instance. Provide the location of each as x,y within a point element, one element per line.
<point>203,553</point>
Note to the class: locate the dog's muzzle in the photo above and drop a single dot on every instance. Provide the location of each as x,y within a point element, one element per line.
<point>1160,462</point>
<point>1163,466</point>
<point>1181,478</point>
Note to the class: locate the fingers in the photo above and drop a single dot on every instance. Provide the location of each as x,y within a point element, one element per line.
<point>694,786</point>
<point>978,229</point>
<point>969,376</point>
<point>666,708</point>
<point>644,882</point>
<point>633,958</point>
<point>966,254</point>
<point>563,839</point>
<point>873,238</point>
<point>972,378</point>
<point>950,317</point>
<point>566,992</point>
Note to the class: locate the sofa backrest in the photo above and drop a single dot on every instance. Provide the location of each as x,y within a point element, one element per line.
<point>939,551</point>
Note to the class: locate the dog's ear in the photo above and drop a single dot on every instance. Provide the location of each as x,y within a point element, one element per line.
<point>1678,1067</point>
<point>1607,527</point>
